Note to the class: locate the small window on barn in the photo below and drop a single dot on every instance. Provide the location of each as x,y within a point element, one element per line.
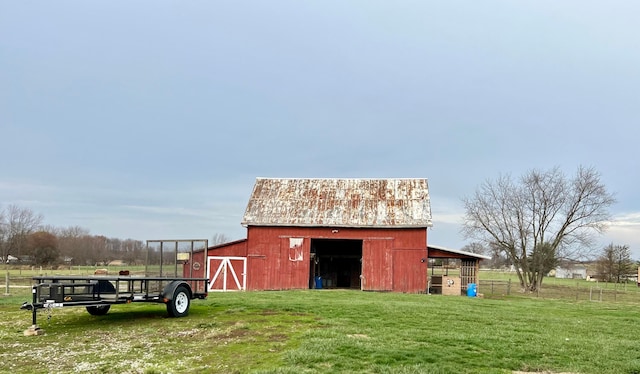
<point>295,249</point>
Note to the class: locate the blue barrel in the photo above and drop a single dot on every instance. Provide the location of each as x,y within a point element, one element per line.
<point>472,290</point>
<point>318,282</point>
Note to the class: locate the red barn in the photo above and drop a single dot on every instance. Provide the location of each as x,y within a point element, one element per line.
<point>368,234</point>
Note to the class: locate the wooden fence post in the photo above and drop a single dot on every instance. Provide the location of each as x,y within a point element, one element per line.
<point>577,291</point>
<point>509,287</point>
<point>6,293</point>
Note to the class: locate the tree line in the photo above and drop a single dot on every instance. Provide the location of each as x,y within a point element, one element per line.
<point>25,240</point>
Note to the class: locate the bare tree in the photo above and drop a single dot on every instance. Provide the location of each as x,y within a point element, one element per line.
<point>475,247</point>
<point>615,264</point>
<point>100,249</point>
<point>134,252</point>
<point>17,224</point>
<point>72,244</point>
<point>219,239</point>
<point>540,219</point>
<point>43,247</point>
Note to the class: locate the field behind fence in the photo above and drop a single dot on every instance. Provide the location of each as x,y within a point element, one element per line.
<point>499,284</point>
<point>492,284</point>
<point>22,276</point>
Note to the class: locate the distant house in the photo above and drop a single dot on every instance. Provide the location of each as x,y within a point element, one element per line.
<point>576,271</point>
<point>25,259</point>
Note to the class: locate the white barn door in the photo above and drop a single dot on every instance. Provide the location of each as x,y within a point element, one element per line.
<point>227,273</point>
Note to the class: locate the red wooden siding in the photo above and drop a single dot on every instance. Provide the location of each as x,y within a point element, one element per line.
<point>377,265</point>
<point>410,270</point>
<point>294,264</point>
<point>270,266</point>
<point>392,259</point>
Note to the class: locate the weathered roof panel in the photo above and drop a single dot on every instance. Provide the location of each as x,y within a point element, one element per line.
<point>458,252</point>
<point>339,202</point>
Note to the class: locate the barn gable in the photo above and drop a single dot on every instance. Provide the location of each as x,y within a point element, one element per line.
<point>356,203</point>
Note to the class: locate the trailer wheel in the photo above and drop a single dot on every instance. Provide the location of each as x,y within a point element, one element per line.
<point>178,306</point>
<point>102,287</point>
<point>98,310</point>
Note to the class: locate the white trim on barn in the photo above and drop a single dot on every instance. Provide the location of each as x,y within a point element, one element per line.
<point>225,268</point>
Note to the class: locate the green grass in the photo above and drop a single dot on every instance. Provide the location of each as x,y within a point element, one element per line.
<point>327,331</point>
<point>505,275</point>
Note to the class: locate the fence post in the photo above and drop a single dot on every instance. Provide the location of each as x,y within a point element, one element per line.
<point>6,293</point>
<point>509,287</point>
<point>577,291</point>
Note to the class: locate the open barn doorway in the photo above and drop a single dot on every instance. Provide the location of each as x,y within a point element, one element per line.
<point>335,263</point>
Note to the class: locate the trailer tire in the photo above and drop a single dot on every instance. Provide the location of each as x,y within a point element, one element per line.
<point>98,310</point>
<point>178,306</point>
<point>103,287</point>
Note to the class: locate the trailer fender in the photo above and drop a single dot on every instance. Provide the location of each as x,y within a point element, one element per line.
<point>170,289</point>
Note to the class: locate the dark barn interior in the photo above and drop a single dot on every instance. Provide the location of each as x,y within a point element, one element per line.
<point>337,263</point>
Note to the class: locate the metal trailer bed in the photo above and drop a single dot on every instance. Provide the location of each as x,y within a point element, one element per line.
<point>98,292</point>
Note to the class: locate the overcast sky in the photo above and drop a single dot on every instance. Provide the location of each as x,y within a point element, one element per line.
<point>152,119</point>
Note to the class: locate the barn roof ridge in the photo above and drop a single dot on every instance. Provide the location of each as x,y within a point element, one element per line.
<point>342,178</point>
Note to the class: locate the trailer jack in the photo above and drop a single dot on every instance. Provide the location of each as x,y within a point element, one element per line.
<point>34,330</point>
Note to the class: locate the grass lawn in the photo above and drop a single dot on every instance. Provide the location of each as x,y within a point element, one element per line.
<point>327,331</point>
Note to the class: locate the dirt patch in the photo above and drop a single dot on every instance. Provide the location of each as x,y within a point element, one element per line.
<point>238,333</point>
<point>277,338</point>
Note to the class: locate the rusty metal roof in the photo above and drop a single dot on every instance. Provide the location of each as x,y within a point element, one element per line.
<point>445,250</point>
<point>376,203</point>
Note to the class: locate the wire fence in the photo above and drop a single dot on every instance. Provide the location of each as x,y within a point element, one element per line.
<point>580,291</point>
<point>21,278</point>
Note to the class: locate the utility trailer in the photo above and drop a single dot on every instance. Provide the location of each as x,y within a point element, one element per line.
<point>168,279</point>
